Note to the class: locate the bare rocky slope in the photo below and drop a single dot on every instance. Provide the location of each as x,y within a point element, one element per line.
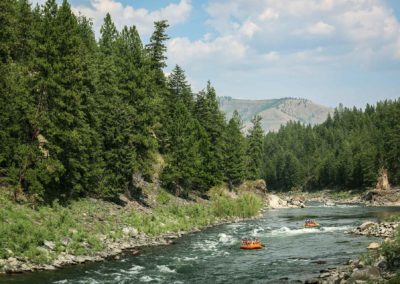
<point>275,112</point>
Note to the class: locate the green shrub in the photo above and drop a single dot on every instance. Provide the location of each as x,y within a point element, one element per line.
<point>163,197</point>
<point>391,250</point>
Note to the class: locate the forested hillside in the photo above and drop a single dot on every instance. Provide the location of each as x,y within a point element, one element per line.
<point>346,151</point>
<point>80,117</point>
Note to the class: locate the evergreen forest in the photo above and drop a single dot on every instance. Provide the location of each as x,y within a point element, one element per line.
<point>84,117</point>
<point>347,151</point>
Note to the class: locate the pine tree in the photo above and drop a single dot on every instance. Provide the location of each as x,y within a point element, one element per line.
<point>157,47</point>
<point>156,88</point>
<point>179,88</point>
<point>8,31</point>
<point>255,149</point>
<point>235,152</point>
<point>212,120</point>
<point>184,160</point>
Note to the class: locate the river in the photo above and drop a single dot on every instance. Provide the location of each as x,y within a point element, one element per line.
<point>292,253</point>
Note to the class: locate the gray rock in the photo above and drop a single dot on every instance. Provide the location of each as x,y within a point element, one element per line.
<point>12,261</point>
<point>65,241</point>
<point>49,244</point>
<point>325,275</point>
<point>80,259</point>
<point>381,263</point>
<point>130,231</point>
<point>374,246</point>
<point>48,267</point>
<point>367,273</point>
<point>366,225</point>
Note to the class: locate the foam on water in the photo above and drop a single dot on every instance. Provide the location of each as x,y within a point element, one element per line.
<point>235,225</point>
<point>136,269</point>
<point>285,231</point>
<point>206,245</point>
<point>226,239</point>
<point>256,231</point>
<point>88,281</point>
<point>148,279</point>
<point>333,229</point>
<point>186,258</point>
<point>165,269</point>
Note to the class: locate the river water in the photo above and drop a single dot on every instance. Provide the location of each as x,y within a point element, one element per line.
<point>292,253</point>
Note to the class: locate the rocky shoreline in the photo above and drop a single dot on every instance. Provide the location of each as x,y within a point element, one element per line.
<point>130,244</point>
<point>357,270</point>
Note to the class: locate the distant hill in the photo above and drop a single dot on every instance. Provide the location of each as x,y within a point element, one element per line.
<point>275,112</point>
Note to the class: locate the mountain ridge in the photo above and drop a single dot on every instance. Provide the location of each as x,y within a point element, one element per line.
<point>275,112</point>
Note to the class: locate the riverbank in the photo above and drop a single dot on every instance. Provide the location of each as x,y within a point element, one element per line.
<point>371,197</point>
<point>378,265</point>
<point>91,230</point>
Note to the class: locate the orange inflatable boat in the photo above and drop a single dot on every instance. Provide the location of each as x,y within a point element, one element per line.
<point>251,245</point>
<point>312,225</point>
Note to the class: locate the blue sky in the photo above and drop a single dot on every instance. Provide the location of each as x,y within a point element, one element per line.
<point>329,51</point>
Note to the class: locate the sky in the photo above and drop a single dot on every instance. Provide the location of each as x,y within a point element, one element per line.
<point>328,51</point>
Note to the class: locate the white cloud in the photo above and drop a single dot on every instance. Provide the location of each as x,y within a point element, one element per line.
<point>350,25</point>
<point>128,15</point>
<point>271,56</point>
<point>222,49</point>
<point>370,23</point>
<point>320,28</point>
<point>249,29</point>
<point>268,14</point>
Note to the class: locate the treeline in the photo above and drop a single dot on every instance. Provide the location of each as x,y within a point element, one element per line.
<point>80,117</point>
<point>347,151</point>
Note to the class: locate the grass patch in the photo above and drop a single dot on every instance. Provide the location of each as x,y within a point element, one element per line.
<point>391,250</point>
<point>85,223</point>
<point>163,197</point>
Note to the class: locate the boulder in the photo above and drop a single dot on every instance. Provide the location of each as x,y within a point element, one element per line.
<point>367,225</point>
<point>381,263</point>
<point>123,199</point>
<point>374,246</point>
<point>130,231</point>
<point>260,185</point>
<point>275,202</point>
<point>367,273</point>
<point>49,245</point>
<point>12,261</point>
<point>325,275</point>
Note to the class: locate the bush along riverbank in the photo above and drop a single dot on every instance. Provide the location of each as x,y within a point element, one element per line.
<point>379,265</point>
<point>51,237</point>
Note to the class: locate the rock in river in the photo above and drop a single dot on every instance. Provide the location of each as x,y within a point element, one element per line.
<point>373,246</point>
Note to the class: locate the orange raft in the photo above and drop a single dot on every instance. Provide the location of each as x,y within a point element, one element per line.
<point>256,245</point>
<point>312,225</point>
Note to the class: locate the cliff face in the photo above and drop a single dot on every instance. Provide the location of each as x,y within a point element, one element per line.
<point>275,112</point>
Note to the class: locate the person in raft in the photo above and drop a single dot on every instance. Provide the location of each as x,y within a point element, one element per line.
<point>247,242</point>
<point>309,222</point>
